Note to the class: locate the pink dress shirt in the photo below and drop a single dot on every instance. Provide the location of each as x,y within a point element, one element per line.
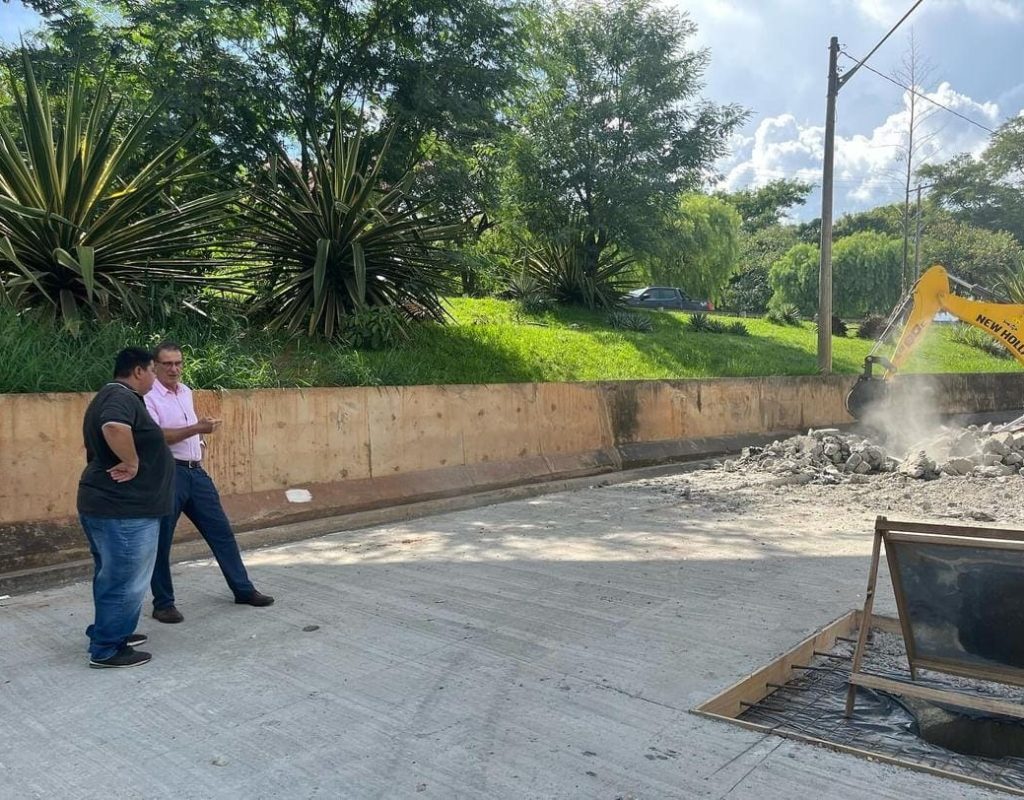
<point>175,410</point>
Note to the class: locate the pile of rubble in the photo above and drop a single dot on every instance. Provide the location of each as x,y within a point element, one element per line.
<point>828,456</point>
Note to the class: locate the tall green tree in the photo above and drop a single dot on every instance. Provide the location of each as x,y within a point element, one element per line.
<point>612,128</point>
<point>750,290</point>
<point>436,72</point>
<point>866,274</point>
<point>766,205</point>
<point>973,254</point>
<point>867,268</point>
<point>986,192</point>
<point>700,250</point>
<point>794,278</point>
<point>887,220</point>
<point>763,239</point>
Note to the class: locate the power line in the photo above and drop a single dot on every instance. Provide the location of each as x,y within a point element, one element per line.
<point>919,94</point>
<point>892,30</point>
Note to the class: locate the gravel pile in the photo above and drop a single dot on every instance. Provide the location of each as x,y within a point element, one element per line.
<point>830,456</point>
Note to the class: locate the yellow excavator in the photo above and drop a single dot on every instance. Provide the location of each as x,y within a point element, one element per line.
<point>932,294</point>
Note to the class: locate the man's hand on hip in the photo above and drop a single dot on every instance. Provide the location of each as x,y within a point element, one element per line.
<point>123,471</point>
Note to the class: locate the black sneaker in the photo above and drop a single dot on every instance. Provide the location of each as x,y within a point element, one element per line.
<point>125,657</point>
<point>136,640</point>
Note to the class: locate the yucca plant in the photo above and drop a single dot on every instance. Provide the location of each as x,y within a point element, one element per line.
<point>786,314</point>
<point>702,323</point>
<point>527,291</point>
<point>630,321</point>
<point>85,221</point>
<point>563,273</point>
<point>1012,284</point>
<point>342,241</point>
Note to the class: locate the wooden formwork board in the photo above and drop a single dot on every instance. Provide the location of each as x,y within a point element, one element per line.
<point>733,701</point>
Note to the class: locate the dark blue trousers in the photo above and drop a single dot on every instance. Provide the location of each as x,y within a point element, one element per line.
<point>197,498</point>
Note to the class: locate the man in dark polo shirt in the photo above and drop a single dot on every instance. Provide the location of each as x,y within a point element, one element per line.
<point>126,487</point>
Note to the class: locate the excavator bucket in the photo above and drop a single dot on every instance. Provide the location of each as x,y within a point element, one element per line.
<point>869,391</point>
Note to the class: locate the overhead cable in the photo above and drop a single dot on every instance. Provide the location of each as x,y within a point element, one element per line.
<point>919,94</point>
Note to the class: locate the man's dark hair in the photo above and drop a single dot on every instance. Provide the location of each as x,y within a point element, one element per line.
<point>166,344</point>
<point>128,359</point>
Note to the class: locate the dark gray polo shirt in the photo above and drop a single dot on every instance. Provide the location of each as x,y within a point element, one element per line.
<point>151,492</point>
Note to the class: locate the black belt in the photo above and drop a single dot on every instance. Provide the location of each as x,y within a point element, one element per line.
<point>188,464</point>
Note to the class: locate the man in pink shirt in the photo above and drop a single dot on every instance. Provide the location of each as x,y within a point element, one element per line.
<point>170,404</point>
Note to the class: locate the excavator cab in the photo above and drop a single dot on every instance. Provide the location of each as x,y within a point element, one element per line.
<point>1003,321</point>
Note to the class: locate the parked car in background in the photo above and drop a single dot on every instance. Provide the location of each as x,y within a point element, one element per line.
<point>666,297</point>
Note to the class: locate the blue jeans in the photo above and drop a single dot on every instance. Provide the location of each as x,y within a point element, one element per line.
<point>197,497</point>
<point>123,552</point>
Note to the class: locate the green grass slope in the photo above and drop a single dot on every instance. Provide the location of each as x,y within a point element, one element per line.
<point>487,341</point>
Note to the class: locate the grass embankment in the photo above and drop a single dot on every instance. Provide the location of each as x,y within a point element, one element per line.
<point>487,342</point>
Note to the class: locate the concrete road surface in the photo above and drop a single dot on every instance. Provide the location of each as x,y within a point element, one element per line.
<point>543,648</point>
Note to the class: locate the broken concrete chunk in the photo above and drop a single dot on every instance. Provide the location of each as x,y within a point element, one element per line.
<point>994,444</point>
<point>828,456</point>
<point>918,465</point>
<point>996,471</point>
<point>957,466</point>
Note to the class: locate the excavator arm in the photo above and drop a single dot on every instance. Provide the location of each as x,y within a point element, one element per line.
<point>1004,322</point>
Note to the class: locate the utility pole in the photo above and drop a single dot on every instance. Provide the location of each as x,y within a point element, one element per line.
<point>835,83</point>
<point>917,237</point>
<point>825,265</point>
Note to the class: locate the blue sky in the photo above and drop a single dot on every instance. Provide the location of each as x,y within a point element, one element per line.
<point>771,57</point>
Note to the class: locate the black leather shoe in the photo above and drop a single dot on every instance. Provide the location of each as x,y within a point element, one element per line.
<point>170,615</point>
<point>255,599</point>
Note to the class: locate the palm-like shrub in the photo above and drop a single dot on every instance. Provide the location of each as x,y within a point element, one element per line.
<point>1012,284</point>
<point>630,321</point>
<point>565,273</point>
<point>85,221</point>
<point>784,314</point>
<point>342,241</point>
<point>525,289</point>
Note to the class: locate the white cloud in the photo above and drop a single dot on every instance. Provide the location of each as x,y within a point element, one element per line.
<point>867,166</point>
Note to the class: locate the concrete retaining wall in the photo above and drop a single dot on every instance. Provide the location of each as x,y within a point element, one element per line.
<point>363,448</point>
